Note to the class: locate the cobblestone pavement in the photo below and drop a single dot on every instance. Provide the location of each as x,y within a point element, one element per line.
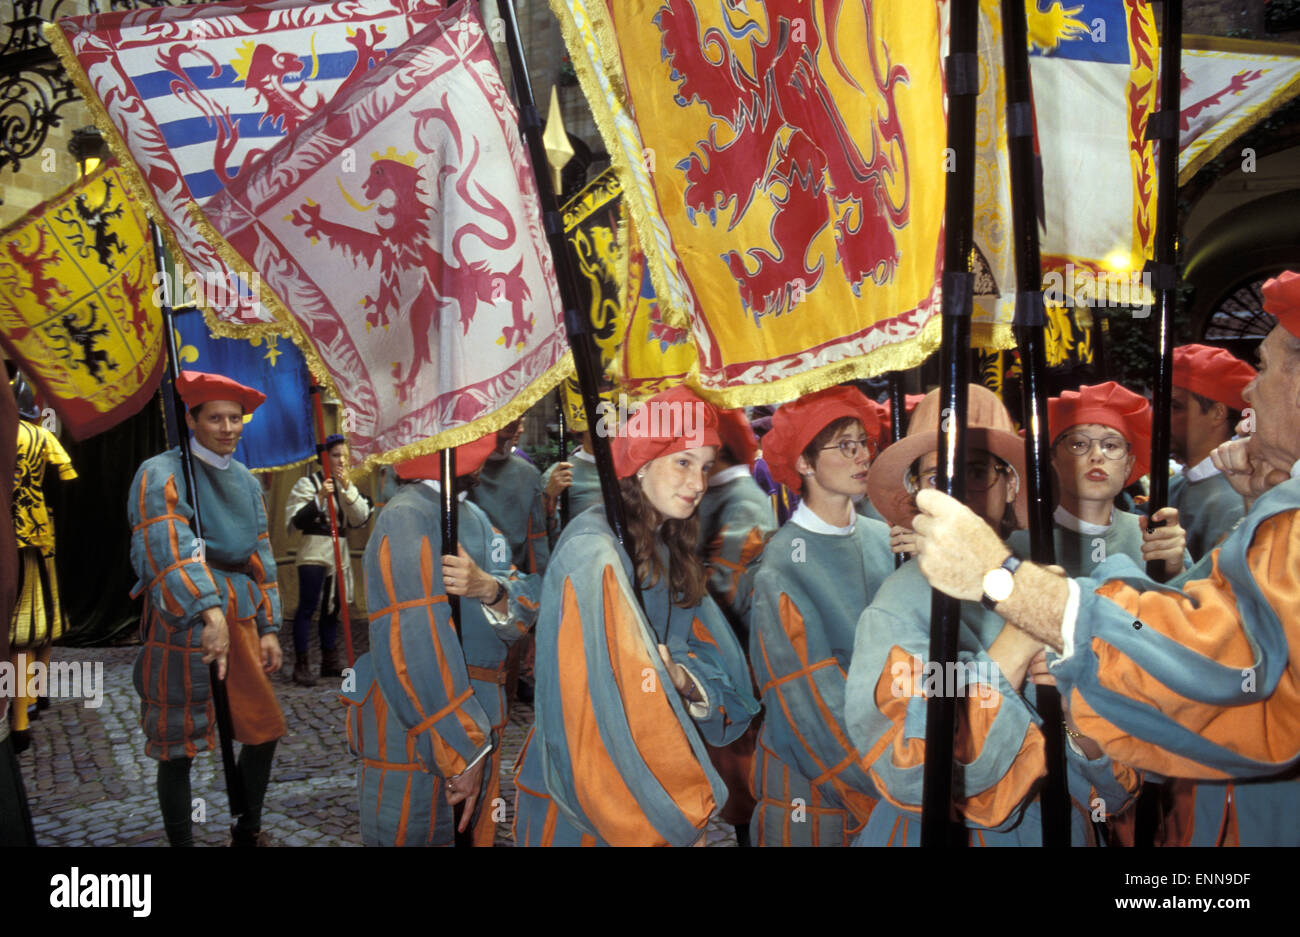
<point>89,782</point>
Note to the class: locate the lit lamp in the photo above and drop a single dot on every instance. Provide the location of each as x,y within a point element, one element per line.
<point>88,149</point>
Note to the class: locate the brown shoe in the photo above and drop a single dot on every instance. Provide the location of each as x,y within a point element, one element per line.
<point>302,671</point>
<point>331,665</point>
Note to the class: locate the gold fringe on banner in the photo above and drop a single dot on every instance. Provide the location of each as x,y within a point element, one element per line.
<point>1253,115</point>
<point>58,41</point>
<point>455,436</point>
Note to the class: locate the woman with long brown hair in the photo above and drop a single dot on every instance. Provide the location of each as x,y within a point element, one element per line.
<point>629,688</point>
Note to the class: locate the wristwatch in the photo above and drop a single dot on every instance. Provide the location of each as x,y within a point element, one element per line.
<point>998,583</point>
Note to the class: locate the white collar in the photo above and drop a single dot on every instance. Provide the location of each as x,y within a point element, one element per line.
<point>436,486</point>
<point>1201,470</point>
<point>1070,522</point>
<point>584,455</point>
<point>806,518</point>
<point>730,474</point>
<point>210,457</point>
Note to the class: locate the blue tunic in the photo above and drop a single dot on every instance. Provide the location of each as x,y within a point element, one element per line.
<point>999,746</point>
<point>420,706</point>
<point>1208,509</point>
<point>1200,682</point>
<point>811,786</point>
<point>617,756</point>
<point>232,568</point>
<point>509,491</point>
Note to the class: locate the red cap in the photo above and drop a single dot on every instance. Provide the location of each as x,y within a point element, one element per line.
<point>673,421</point>
<point>737,435</point>
<point>796,423</point>
<point>1212,372</point>
<point>199,387</point>
<point>1111,405</point>
<point>883,422</point>
<point>1282,300</point>
<point>469,458</point>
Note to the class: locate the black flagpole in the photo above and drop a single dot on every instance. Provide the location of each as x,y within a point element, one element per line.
<point>1163,127</point>
<point>450,547</point>
<point>1029,326</point>
<point>897,413</point>
<point>576,322</point>
<point>563,506</point>
<point>220,700</point>
<point>962,73</point>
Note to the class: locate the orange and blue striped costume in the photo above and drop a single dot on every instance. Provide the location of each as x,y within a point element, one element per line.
<point>811,785</point>
<point>1203,681</point>
<point>617,757</point>
<point>998,749</point>
<point>422,708</point>
<point>233,569</point>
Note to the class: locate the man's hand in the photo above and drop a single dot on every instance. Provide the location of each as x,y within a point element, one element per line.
<point>326,491</point>
<point>561,478</point>
<point>1167,543</point>
<point>272,656</point>
<point>465,786</point>
<point>462,576</point>
<point>1249,473</point>
<point>954,546</point>
<point>902,539</point>
<point>215,639</point>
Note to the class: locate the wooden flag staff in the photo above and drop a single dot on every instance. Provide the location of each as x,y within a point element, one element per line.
<point>341,553</point>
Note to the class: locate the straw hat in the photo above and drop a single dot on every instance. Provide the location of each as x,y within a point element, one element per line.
<point>988,427</point>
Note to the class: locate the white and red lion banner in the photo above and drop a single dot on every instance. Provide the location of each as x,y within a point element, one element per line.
<point>401,228</point>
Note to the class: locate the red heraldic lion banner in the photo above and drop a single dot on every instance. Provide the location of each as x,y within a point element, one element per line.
<point>77,309</point>
<point>194,95</point>
<point>783,164</point>
<point>400,231</point>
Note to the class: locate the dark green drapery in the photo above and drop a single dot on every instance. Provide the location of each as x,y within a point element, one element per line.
<point>92,537</point>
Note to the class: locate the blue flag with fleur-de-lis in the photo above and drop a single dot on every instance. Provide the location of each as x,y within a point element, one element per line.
<point>280,433</point>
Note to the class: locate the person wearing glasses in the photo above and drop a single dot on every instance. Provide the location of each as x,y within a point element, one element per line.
<point>817,574</point>
<point>1101,442</point>
<point>1199,682</point>
<point>999,746</point>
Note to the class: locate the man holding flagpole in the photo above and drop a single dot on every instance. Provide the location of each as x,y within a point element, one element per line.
<point>214,599</point>
<point>1199,682</point>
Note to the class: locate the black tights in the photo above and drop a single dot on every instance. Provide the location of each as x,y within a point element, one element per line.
<point>174,792</point>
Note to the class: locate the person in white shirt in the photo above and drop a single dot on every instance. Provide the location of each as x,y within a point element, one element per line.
<point>308,511</point>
